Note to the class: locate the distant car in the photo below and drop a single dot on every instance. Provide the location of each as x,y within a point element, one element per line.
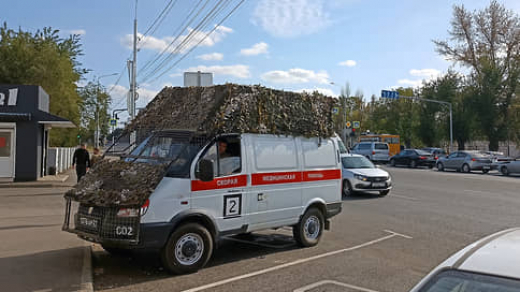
<point>465,161</point>
<point>360,174</point>
<point>436,152</point>
<point>413,158</point>
<point>507,167</point>
<point>375,151</point>
<point>490,264</point>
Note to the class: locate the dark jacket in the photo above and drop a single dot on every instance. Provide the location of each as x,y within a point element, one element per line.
<point>81,157</point>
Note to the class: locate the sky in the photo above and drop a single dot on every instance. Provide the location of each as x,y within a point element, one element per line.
<point>292,45</point>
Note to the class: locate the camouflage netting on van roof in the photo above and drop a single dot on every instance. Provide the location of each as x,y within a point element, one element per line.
<point>117,183</point>
<point>217,109</point>
<point>238,109</point>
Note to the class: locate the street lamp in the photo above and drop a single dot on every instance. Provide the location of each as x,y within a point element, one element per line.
<point>97,110</point>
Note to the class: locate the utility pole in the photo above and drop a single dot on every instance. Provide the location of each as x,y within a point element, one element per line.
<point>133,85</point>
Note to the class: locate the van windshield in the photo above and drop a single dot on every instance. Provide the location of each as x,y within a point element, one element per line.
<point>178,151</point>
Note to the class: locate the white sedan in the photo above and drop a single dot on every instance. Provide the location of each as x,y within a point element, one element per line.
<point>490,264</point>
<point>361,175</point>
<point>508,167</point>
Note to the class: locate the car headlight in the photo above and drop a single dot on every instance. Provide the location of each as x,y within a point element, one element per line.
<point>361,177</point>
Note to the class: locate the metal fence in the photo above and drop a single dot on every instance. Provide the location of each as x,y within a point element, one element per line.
<point>59,158</point>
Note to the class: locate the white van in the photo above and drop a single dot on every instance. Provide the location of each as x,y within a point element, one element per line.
<point>230,184</point>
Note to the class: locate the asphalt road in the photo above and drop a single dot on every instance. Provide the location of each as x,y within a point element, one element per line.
<point>376,244</point>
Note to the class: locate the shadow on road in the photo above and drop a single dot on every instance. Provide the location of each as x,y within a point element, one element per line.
<point>111,271</point>
<point>38,271</point>
<point>363,196</point>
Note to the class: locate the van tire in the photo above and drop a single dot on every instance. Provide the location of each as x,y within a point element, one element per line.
<point>178,255</point>
<point>305,232</point>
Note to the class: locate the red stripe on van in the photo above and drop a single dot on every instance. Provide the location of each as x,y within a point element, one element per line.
<point>321,175</point>
<point>276,178</point>
<point>220,183</point>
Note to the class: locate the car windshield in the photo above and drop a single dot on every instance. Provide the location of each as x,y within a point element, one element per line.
<point>356,162</point>
<point>451,280</point>
<point>175,150</point>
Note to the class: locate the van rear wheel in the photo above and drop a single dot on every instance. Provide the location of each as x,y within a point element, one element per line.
<point>188,249</point>
<point>308,231</point>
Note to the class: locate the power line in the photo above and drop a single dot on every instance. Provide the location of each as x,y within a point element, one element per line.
<point>195,32</point>
<point>189,51</point>
<point>178,33</point>
<point>185,41</point>
<point>160,18</point>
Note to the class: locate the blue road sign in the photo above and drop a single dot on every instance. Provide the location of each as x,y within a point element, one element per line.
<point>113,122</point>
<point>356,125</point>
<point>335,110</point>
<point>390,94</point>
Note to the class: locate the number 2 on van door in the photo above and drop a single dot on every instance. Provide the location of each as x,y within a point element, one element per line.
<point>232,206</point>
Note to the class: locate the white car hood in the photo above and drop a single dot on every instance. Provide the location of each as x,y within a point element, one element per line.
<point>368,171</point>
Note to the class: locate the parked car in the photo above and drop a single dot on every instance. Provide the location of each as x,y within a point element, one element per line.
<point>436,152</point>
<point>490,264</point>
<point>465,161</point>
<point>360,174</point>
<point>507,167</point>
<point>375,151</point>
<point>413,158</point>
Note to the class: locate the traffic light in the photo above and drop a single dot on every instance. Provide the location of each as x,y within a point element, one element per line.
<point>353,133</point>
<point>78,136</point>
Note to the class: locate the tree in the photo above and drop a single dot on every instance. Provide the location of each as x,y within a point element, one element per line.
<point>43,58</point>
<point>488,42</point>
<point>94,112</point>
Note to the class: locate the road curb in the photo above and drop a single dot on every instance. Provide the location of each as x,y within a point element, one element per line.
<point>87,282</point>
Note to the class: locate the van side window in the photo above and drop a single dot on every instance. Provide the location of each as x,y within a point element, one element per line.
<point>225,154</point>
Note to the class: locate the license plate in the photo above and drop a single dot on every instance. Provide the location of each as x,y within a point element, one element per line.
<point>88,223</point>
<point>378,185</point>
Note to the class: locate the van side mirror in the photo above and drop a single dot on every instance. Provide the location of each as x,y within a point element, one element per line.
<point>205,170</point>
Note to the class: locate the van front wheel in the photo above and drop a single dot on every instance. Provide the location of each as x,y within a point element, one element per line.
<point>188,249</point>
<point>308,231</point>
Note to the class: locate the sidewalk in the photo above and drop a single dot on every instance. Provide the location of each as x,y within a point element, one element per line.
<point>35,255</point>
<point>66,179</point>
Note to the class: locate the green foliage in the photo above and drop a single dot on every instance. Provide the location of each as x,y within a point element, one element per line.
<point>43,58</point>
<point>94,109</point>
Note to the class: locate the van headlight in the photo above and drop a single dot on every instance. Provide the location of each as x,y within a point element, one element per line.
<point>361,177</point>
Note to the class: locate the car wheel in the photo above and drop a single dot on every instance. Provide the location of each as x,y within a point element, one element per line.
<point>392,162</point>
<point>484,171</point>
<point>347,188</point>
<point>465,168</point>
<point>440,166</point>
<point>384,193</point>
<point>413,164</point>
<point>188,249</point>
<point>308,231</point>
<point>430,166</point>
<point>504,170</point>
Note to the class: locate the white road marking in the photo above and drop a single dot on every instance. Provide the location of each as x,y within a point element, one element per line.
<point>297,262</point>
<point>325,282</point>
<point>474,191</point>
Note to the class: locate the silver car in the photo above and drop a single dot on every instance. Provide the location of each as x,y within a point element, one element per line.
<point>508,167</point>
<point>465,161</point>
<point>375,151</point>
<point>361,175</point>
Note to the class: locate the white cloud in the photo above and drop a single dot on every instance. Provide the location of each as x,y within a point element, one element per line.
<point>324,91</point>
<point>176,75</point>
<point>238,71</point>
<point>156,44</point>
<point>78,31</point>
<point>296,75</point>
<point>348,63</point>
<point>256,49</point>
<point>426,73</point>
<point>211,57</point>
<point>410,83</point>
<point>291,18</point>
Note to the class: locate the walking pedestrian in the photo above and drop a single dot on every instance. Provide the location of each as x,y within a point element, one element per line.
<point>81,160</point>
